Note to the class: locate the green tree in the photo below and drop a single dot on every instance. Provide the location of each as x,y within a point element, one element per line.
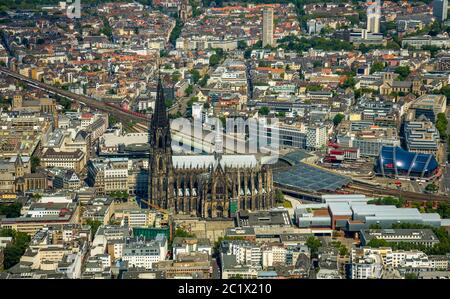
<point>112,120</point>
<point>376,243</point>
<point>441,125</point>
<point>393,45</point>
<point>94,224</point>
<point>388,200</point>
<point>446,91</point>
<point>264,110</point>
<point>349,82</point>
<point>168,103</point>
<point>443,209</point>
<point>343,251</point>
<point>176,76</point>
<point>204,80</point>
<point>313,244</point>
<point>214,60</point>
<point>433,50</point>
<point>410,276</point>
<point>195,75</point>
<point>191,101</point>
<point>338,119</point>
<point>313,88</point>
<point>106,30</point>
<point>242,44</point>
<point>179,232</point>
<point>317,63</point>
<point>10,210</point>
<point>403,72</point>
<point>14,251</point>
<point>431,188</point>
<point>175,33</point>
<point>377,67</point>
<point>35,163</point>
<point>279,196</point>
<point>163,53</point>
<point>189,90</point>
<point>247,53</point>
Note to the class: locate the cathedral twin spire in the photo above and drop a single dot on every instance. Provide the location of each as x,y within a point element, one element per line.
<point>159,118</point>
<point>159,129</point>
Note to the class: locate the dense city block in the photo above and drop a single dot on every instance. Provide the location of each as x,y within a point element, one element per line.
<point>199,139</point>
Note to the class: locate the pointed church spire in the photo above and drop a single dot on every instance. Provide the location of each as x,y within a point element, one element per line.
<point>159,118</point>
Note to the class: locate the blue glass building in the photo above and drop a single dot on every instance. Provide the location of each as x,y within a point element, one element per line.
<point>396,162</point>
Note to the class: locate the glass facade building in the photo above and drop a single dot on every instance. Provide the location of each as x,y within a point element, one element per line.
<point>396,162</point>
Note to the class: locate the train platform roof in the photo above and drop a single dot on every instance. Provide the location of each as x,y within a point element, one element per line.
<point>309,178</point>
<point>294,158</point>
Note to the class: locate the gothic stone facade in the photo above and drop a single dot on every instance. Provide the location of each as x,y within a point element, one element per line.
<point>202,185</point>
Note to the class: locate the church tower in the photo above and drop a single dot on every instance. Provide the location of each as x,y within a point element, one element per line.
<point>160,170</point>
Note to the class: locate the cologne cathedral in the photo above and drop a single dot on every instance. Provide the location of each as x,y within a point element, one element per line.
<point>207,186</point>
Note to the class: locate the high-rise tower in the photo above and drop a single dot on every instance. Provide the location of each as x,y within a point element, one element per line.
<point>268,27</point>
<point>160,178</point>
<point>440,9</point>
<point>374,17</point>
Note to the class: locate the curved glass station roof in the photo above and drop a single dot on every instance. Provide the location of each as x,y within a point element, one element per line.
<point>395,160</point>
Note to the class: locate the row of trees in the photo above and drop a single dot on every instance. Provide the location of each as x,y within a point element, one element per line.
<point>442,208</point>
<point>343,250</point>
<point>119,194</point>
<point>175,34</point>
<point>94,224</point>
<point>14,251</point>
<point>338,119</point>
<point>106,29</point>
<point>388,200</point>
<point>313,244</point>
<point>441,125</point>
<point>294,43</point>
<point>11,210</point>
<point>403,72</point>
<point>217,57</point>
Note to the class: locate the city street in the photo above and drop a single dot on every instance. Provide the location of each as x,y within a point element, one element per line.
<point>445,180</point>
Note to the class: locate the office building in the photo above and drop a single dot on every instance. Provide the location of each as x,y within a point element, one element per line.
<point>425,40</point>
<point>69,160</point>
<point>316,137</point>
<point>268,27</point>
<point>352,213</point>
<point>142,253</point>
<point>368,266</point>
<point>429,105</point>
<point>198,265</point>
<point>374,17</point>
<point>189,245</point>
<point>440,10</point>
<point>422,137</point>
<point>424,237</point>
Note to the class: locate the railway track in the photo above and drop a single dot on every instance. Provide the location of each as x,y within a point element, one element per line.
<point>367,189</point>
<point>92,103</point>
